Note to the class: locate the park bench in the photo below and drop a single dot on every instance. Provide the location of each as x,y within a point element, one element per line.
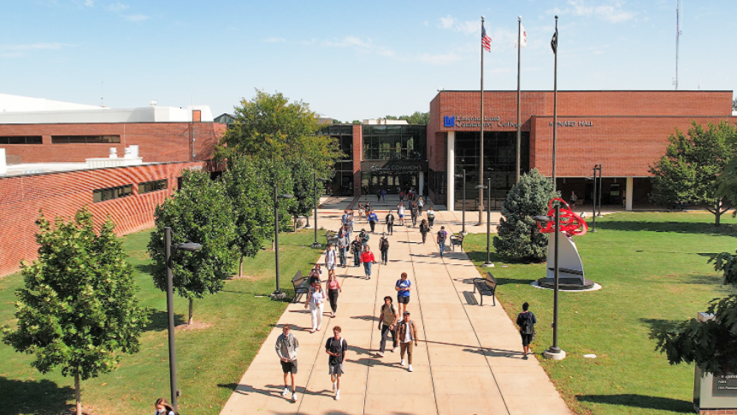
<point>485,286</point>
<point>456,240</point>
<point>301,285</point>
<point>331,237</point>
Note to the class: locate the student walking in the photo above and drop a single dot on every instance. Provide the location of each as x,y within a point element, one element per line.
<point>442,235</point>
<point>330,259</point>
<point>390,223</point>
<point>384,248</point>
<point>286,348</point>
<point>574,199</point>
<point>343,243</point>
<point>316,302</point>
<point>314,275</point>
<point>163,407</point>
<point>403,286</point>
<point>526,322</point>
<point>364,237</point>
<point>372,219</point>
<point>357,247</point>
<point>420,204</point>
<point>334,289</point>
<point>424,230</point>
<point>336,348</point>
<point>400,212</point>
<point>360,211</point>
<point>383,195</point>
<point>414,212</point>
<point>368,259</point>
<point>407,333</point>
<point>378,196</point>
<point>388,319</point>
<point>368,209</point>
<point>401,196</point>
<point>430,216</point>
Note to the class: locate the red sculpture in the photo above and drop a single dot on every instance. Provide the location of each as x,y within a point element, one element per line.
<point>570,223</point>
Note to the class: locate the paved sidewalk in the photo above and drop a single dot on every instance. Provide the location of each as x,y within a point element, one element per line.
<point>468,361</point>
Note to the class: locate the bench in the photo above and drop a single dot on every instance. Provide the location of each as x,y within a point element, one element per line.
<point>456,240</point>
<point>301,285</point>
<point>331,237</point>
<point>485,286</point>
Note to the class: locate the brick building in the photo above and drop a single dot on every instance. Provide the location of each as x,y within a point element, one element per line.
<point>121,163</point>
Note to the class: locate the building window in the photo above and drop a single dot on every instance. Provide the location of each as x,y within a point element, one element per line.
<point>27,139</point>
<point>152,186</point>
<point>101,195</point>
<point>84,139</point>
<point>394,142</point>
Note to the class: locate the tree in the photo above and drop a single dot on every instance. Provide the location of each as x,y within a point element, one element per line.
<point>199,212</point>
<point>688,172</point>
<point>303,189</point>
<point>250,187</point>
<point>78,307</point>
<point>518,237</point>
<point>711,344</point>
<point>734,104</point>
<point>416,118</point>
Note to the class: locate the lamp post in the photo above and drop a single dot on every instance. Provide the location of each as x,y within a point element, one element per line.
<point>278,294</point>
<point>488,263</point>
<point>554,352</point>
<point>600,189</point>
<point>463,231</point>
<point>191,247</point>
<point>317,203</point>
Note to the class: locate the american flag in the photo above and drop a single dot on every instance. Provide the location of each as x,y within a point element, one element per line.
<point>485,39</point>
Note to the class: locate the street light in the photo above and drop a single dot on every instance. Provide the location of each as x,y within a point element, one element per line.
<point>463,232</point>
<point>278,294</point>
<point>488,263</point>
<point>190,247</point>
<point>554,352</point>
<point>317,203</point>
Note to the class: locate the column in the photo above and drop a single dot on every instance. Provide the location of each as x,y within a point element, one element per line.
<point>628,193</point>
<point>422,183</point>
<point>450,172</point>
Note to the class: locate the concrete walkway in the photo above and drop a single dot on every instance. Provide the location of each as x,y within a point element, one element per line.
<point>468,361</point>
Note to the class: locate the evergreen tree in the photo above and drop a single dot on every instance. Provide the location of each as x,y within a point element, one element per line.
<point>78,308</point>
<point>518,238</point>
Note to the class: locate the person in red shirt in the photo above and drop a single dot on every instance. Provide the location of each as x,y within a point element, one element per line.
<point>367,257</point>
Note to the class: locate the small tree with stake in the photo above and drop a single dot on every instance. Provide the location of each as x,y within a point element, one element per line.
<point>78,308</point>
<point>199,212</point>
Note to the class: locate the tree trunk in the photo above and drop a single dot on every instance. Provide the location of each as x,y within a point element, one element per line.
<point>240,267</point>
<point>717,217</point>
<point>273,246</point>
<point>78,394</point>
<point>191,311</point>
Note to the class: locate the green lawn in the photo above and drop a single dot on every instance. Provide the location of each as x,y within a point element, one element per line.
<point>210,362</point>
<point>653,269</point>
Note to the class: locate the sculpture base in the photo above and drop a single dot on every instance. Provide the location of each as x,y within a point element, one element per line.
<point>560,355</point>
<point>278,295</point>
<point>568,284</point>
<point>488,265</point>
<point>316,245</point>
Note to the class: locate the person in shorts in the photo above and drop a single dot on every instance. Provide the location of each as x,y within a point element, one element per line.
<point>286,348</point>
<point>400,213</point>
<point>336,348</point>
<point>403,287</point>
<point>526,322</point>
<point>407,335</point>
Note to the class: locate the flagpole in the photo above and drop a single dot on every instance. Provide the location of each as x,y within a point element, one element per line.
<point>519,115</point>
<point>481,156</point>
<point>555,98</point>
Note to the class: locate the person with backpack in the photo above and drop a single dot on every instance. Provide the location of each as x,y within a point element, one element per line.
<point>424,230</point>
<point>364,237</point>
<point>407,334</point>
<point>403,286</point>
<point>372,219</point>
<point>388,319</point>
<point>316,302</point>
<point>526,322</point>
<point>344,219</point>
<point>390,223</point>
<point>342,243</point>
<point>357,247</point>
<point>384,248</point>
<point>430,216</point>
<point>368,259</point>
<point>442,235</point>
<point>334,289</point>
<point>286,348</point>
<point>163,407</point>
<point>330,260</point>
<point>336,348</point>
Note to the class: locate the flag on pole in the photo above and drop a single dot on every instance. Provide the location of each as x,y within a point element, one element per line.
<point>523,34</point>
<point>554,41</point>
<point>485,39</point>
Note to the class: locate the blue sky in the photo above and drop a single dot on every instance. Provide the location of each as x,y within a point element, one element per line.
<point>351,60</point>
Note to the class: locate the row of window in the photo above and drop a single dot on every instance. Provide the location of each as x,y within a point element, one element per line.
<point>31,139</point>
<point>60,139</point>
<point>101,195</point>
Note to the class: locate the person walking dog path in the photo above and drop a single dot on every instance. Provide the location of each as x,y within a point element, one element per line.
<point>467,358</point>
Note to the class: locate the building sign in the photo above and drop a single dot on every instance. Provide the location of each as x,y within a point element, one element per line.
<point>459,121</point>
<point>724,385</point>
<point>573,124</point>
<point>394,167</point>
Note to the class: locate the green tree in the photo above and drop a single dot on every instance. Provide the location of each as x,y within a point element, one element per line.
<point>688,172</point>
<point>711,344</point>
<point>416,118</point>
<point>78,307</point>
<point>303,189</point>
<point>199,212</point>
<point>518,238</point>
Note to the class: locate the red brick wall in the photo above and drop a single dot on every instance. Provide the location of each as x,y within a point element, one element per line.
<point>157,142</point>
<point>62,194</point>
<point>718,412</point>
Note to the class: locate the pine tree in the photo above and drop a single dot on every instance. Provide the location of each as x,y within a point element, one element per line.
<point>78,307</point>
<point>518,238</point>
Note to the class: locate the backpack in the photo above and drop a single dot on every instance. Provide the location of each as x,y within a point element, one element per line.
<point>384,244</point>
<point>527,327</point>
<point>441,236</point>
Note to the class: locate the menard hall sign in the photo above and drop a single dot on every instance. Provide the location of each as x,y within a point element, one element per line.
<point>458,121</point>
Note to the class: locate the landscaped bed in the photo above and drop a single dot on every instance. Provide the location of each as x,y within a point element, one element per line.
<point>210,359</point>
<point>653,269</point>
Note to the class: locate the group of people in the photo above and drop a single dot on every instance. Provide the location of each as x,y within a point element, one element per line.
<point>403,332</point>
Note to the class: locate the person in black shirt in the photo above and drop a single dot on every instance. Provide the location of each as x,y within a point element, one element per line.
<point>526,322</point>
<point>390,223</point>
<point>336,348</point>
